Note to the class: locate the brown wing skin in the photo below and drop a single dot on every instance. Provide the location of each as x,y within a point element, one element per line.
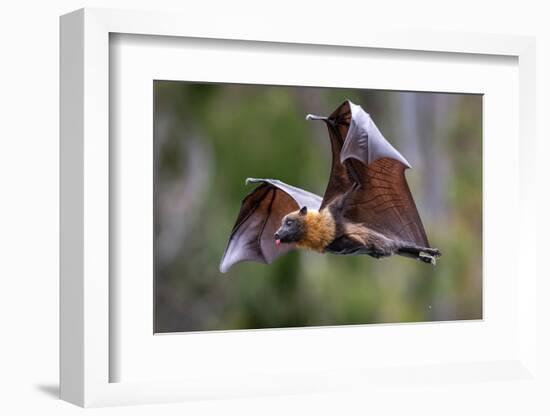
<point>383,202</point>
<point>260,216</point>
<point>368,177</point>
<point>339,180</point>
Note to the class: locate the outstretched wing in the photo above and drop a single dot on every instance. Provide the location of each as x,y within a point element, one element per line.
<point>379,196</point>
<point>260,216</point>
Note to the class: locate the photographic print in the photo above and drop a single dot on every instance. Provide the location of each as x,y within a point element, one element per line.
<point>281,206</point>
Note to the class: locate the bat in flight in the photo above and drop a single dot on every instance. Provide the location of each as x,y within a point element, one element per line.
<point>367,207</point>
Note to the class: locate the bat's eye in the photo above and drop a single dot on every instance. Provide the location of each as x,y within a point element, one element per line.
<point>288,223</point>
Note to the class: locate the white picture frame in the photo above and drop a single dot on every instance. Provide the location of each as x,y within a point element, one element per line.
<point>86,291</point>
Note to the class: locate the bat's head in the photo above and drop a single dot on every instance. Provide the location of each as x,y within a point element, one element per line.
<point>292,228</point>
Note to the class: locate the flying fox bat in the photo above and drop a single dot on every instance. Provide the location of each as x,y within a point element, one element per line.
<point>367,207</point>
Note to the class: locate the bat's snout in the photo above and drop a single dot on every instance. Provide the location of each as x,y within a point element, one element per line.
<point>277,238</point>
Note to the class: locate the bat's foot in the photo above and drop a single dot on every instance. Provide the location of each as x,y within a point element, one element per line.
<point>424,254</point>
<point>429,255</point>
<point>427,258</point>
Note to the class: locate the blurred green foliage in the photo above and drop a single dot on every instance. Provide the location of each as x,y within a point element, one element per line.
<point>210,137</point>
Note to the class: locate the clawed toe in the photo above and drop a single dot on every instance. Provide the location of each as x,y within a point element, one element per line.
<point>428,257</point>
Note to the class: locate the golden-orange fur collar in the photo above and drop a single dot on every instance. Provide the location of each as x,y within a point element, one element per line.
<point>319,230</point>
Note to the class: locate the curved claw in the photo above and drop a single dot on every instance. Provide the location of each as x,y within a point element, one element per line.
<point>314,117</point>
<point>427,258</point>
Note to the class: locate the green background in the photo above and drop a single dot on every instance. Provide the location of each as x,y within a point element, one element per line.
<point>210,137</point>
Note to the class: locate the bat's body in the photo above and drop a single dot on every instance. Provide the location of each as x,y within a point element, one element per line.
<point>328,231</point>
<point>367,207</point>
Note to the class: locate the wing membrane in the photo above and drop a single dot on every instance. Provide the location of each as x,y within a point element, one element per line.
<point>260,216</point>
<point>339,180</point>
<point>383,202</point>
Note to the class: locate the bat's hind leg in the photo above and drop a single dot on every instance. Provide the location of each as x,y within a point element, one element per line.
<point>425,254</point>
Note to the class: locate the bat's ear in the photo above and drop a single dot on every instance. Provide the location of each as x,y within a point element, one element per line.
<point>303,211</point>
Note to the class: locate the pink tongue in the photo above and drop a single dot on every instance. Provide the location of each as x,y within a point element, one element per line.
<point>277,242</point>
